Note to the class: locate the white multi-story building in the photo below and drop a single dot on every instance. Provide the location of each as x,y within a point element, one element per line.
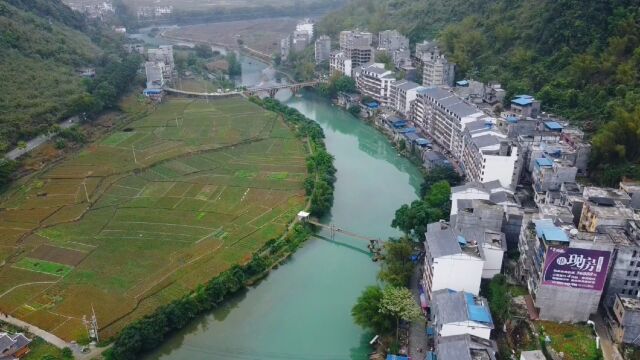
<point>436,69</point>
<point>306,26</point>
<point>469,135</point>
<point>339,63</point>
<point>300,40</point>
<point>458,313</point>
<point>356,45</point>
<point>374,81</point>
<point>403,92</point>
<point>392,40</point>
<point>163,54</point>
<point>285,47</point>
<point>443,115</point>
<point>155,74</point>
<point>322,49</point>
<point>488,155</point>
<point>451,262</point>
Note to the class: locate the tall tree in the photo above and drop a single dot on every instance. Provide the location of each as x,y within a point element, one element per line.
<point>366,312</point>
<point>397,266</point>
<point>399,303</point>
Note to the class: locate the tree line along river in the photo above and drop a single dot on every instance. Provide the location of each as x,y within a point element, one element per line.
<point>302,310</point>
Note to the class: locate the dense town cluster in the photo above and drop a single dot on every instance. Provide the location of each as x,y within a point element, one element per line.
<point>575,248</point>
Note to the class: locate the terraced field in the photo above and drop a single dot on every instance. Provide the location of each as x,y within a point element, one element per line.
<point>147,214</point>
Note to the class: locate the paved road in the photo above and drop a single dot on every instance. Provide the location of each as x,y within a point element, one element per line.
<point>54,340</point>
<point>37,141</point>
<point>48,337</point>
<point>418,344</point>
<point>609,350</point>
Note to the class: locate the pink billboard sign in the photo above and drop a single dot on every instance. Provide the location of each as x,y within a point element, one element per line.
<point>576,268</point>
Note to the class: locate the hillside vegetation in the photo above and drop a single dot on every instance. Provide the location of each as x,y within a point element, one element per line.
<point>42,45</point>
<point>418,19</point>
<point>581,58</point>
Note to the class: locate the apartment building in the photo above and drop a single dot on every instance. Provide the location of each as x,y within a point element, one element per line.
<point>392,40</point>
<point>403,92</point>
<point>374,81</point>
<point>285,47</point>
<point>451,262</point>
<point>322,49</point>
<point>604,207</point>
<point>155,74</point>
<point>525,106</point>
<point>163,54</point>
<point>626,320</point>
<point>300,40</point>
<point>306,26</point>
<point>436,69</point>
<point>458,313</point>
<point>463,347</point>
<point>564,270</point>
<point>357,46</point>
<point>488,155</point>
<point>340,63</point>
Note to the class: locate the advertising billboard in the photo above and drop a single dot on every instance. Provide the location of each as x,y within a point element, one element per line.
<point>576,268</point>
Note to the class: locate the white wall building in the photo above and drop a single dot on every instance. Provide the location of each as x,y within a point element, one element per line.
<point>450,261</point>
<point>356,45</point>
<point>155,74</point>
<point>403,92</point>
<point>322,49</point>
<point>285,47</point>
<point>163,54</point>
<point>306,26</point>
<point>436,70</point>
<point>458,313</point>
<point>340,63</point>
<point>374,81</point>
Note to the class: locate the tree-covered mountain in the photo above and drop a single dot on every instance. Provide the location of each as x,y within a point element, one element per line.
<point>43,45</point>
<point>580,58</point>
<point>418,19</point>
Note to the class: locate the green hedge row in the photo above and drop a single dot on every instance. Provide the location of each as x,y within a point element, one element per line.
<point>149,332</point>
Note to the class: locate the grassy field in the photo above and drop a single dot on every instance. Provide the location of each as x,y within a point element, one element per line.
<point>147,214</point>
<point>577,342</point>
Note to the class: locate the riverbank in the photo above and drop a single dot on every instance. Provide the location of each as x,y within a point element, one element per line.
<point>319,189</point>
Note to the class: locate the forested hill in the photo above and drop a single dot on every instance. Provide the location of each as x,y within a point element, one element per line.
<point>418,19</point>
<point>581,58</point>
<point>43,44</point>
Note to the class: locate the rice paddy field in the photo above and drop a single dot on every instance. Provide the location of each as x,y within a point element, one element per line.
<point>147,214</point>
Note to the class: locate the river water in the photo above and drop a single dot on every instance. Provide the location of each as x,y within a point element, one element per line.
<point>302,309</point>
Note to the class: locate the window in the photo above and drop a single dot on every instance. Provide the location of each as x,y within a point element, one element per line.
<point>635,252</point>
<point>626,282</point>
<point>632,263</point>
<point>635,273</point>
<point>623,291</point>
<point>629,273</point>
<point>633,283</point>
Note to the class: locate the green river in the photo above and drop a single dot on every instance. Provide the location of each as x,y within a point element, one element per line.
<point>302,309</point>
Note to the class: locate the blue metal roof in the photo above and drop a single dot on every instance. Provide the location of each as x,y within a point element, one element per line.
<point>522,101</point>
<point>421,141</point>
<point>406,130</point>
<point>512,119</point>
<point>430,356</point>
<point>544,162</point>
<point>478,313</point>
<point>549,232</point>
<point>462,240</point>
<point>399,123</point>
<point>373,105</point>
<point>554,234</point>
<point>462,83</point>
<point>553,126</point>
<point>411,136</point>
<point>396,357</point>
